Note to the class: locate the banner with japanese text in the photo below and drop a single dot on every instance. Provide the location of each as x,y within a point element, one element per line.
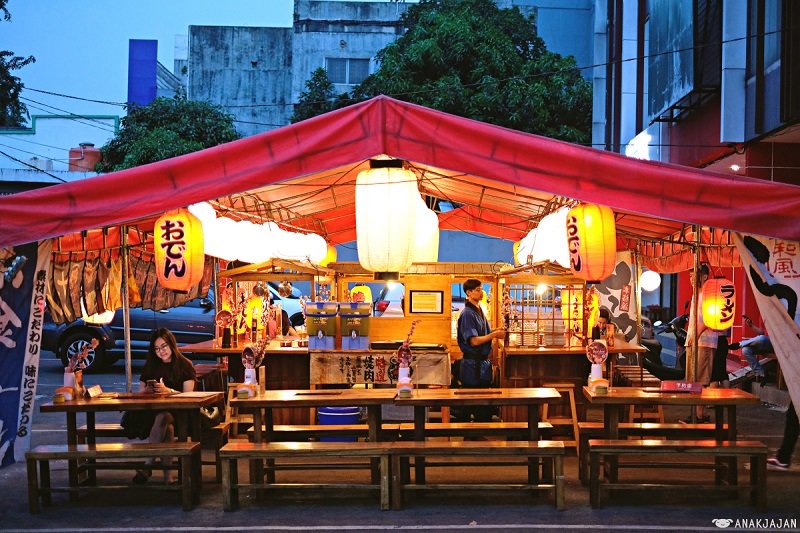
<point>377,368</point>
<point>617,295</point>
<point>23,283</point>
<point>773,267</point>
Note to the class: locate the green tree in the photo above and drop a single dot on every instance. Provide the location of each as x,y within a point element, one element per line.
<point>470,58</point>
<point>164,128</point>
<point>318,98</point>
<point>13,113</point>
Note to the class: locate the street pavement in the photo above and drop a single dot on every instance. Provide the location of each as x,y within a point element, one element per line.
<point>158,511</point>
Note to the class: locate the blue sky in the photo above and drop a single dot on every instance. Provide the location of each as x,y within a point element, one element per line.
<point>81,47</point>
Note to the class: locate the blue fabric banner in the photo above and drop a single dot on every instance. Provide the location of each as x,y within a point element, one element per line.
<point>23,283</point>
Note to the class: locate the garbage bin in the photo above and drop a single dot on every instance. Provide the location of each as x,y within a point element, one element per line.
<point>334,416</point>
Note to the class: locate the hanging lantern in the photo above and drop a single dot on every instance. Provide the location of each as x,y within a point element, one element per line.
<point>649,281</point>
<point>178,244</point>
<point>718,302</point>
<point>592,240</point>
<point>426,240</point>
<point>386,209</point>
<point>330,256</point>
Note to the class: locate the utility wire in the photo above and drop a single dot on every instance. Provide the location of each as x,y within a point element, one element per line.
<point>11,157</point>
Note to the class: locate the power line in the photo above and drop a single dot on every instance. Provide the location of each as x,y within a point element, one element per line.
<point>62,180</point>
<point>121,104</point>
<point>97,124</point>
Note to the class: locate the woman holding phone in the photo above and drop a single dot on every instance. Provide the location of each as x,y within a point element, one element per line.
<point>165,371</point>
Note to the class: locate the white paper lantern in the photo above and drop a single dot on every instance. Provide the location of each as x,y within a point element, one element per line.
<point>649,281</point>
<point>386,208</point>
<point>426,242</point>
<point>317,248</point>
<point>221,241</point>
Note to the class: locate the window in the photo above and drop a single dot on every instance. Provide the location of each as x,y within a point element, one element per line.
<point>347,71</point>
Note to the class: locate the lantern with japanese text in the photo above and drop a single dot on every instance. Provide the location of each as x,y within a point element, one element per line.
<point>178,244</point>
<point>592,240</point>
<point>718,301</point>
<point>386,217</point>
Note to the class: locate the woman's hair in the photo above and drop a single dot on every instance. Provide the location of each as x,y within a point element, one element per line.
<point>604,313</point>
<point>152,359</point>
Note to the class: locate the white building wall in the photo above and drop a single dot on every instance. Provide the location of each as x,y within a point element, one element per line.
<point>48,141</point>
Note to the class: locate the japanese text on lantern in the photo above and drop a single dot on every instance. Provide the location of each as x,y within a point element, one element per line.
<point>173,241</point>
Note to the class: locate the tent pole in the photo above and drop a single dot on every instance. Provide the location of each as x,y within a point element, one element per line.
<point>637,290</point>
<point>126,308</point>
<point>694,311</point>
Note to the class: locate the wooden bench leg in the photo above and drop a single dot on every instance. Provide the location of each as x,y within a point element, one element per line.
<point>187,477</point>
<point>44,483</point>
<point>558,465</point>
<point>227,487</point>
<point>397,476</point>
<point>385,474</point>
<point>758,482</point>
<point>33,487</point>
<point>594,479</point>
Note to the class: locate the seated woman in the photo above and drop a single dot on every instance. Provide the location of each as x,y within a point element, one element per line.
<point>166,370</point>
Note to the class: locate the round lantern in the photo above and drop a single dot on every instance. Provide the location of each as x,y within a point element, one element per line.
<point>178,244</point>
<point>427,236</point>
<point>718,302</point>
<point>330,256</point>
<point>649,281</point>
<point>592,241</point>
<point>386,208</point>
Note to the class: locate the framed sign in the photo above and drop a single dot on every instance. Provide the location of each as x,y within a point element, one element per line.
<point>426,302</point>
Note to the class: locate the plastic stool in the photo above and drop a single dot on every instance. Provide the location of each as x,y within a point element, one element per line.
<point>569,388</point>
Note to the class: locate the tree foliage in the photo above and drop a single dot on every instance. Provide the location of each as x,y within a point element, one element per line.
<point>164,128</point>
<point>319,97</point>
<point>470,58</point>
<point>13,113</point>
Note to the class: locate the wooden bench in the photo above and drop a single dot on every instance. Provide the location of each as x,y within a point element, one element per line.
<point>595,430</point>
<point>118,454</point>
<point>509,430</point>
<point>306,432</point>
<point>237,450</point>
<point>756,451</point>
<point>532,450</point>
<point>213,439</point>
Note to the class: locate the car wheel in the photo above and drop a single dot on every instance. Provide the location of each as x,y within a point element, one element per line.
<point>75,343</point>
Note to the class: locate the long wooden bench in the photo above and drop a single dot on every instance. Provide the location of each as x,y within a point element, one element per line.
<point>756,451</point>
<point>213,439</point>
<point>118,456</point>
<point>509,430</point>
<point>237,450</point>
<point>594,430</point>
<point>532,450</point>
<point>306,432</point>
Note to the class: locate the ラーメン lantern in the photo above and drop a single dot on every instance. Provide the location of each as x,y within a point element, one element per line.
<point>592,241</point>
<point>718,301</point>
<point>178,244</point>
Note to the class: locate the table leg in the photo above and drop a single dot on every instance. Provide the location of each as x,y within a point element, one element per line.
<point>375,423</point>
<point>91,438</point>
<point>195,431</point>
<point>611,420</point>
<point>533,462</point>
<point>733,467</point>
<point>419,434</point>
<point>72,465</point>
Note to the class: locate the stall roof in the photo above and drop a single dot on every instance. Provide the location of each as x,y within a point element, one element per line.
<point>303,176</point>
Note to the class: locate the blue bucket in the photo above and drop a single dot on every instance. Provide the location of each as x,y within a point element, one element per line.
<point>333,416</point>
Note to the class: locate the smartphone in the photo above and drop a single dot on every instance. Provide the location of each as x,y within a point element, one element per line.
<point>151,383</point>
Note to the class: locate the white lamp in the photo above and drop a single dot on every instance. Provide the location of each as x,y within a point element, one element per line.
<point>427,235</point>
<point>649,281</point>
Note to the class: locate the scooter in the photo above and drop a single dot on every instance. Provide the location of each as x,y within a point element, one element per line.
<point>652,358</point>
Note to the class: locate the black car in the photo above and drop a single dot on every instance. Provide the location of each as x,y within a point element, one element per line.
<point>190,323</point>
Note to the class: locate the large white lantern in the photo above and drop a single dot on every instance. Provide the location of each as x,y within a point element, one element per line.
<point>426,240</point>
<point>386,209</point>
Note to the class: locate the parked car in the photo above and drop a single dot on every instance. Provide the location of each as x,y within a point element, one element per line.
<point>191,323</point>
<point>390,300</point>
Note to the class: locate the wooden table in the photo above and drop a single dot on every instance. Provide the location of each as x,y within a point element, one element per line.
<point>530,397</point>
<point>263,404</point>
<point>184,406</point>
<point>721,399</point>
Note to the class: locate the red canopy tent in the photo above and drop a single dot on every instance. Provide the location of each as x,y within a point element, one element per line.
<point>303,176</point>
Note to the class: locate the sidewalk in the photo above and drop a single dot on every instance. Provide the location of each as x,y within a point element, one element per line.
<point>156,511</point>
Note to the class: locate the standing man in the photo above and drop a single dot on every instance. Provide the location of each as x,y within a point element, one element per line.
<point>475,340</point>
<point>707,341</point>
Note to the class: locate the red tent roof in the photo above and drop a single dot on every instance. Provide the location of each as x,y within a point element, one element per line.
<point>303,176</point>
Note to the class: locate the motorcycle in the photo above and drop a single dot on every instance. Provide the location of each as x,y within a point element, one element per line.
<point>652,361</point>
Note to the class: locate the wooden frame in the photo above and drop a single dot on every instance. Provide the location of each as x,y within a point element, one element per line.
<point>430,302</point>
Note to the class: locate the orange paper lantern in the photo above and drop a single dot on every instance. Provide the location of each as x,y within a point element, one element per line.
<point>718,302</point>
<point>178,244</point>
<point>592,240</point>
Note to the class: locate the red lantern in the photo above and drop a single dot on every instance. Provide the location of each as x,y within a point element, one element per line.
<point>592,240</point>
<point>718,302</point>
<point>178,245</point>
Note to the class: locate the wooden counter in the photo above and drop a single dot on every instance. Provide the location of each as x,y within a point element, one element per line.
<point>532,367</point>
